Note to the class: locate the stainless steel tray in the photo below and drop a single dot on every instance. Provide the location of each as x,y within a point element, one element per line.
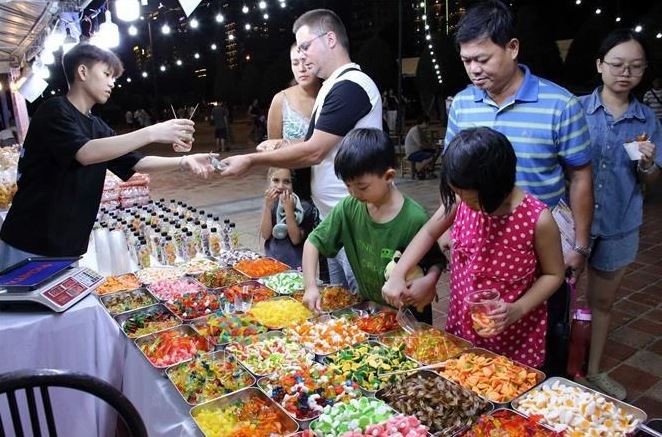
<point>277,298</point>
<point>285,267</point>
<point>197,324</point>
<point>107,299</point>
<point>540,376</point>
<point>509,410</point>
<point>199,297</point>
<point>313,423</point>
<point>209,284</point>
<point>325,287</point>
<point>245,395</point>
<point>364,308</point>
<point>263,280</point>
<point>483,406</point>
<point>182,329</point>
<point>188,279</point>
<point>635,412</point>
<point>214,356</point>
<point>188,268</point>
<point>252,284</point>
<point>320,356</point>
<point>121,319</point>
<point>329,359</point>
<point>259,338</point>
<point>460,342</point>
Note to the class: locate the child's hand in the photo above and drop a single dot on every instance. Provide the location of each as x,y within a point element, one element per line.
<point>392,291</point>
<point>505,314</point>
<point>312,299</point>
<point>287,200</point>
<point>421,291</point>
<point>270,197</point>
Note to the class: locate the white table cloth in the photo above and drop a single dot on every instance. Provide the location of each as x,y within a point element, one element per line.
<point>83,339</point>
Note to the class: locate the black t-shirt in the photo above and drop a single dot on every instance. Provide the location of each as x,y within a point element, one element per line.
<point>57,200</point>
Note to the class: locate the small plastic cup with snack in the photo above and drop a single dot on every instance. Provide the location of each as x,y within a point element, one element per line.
<point>480,304</point>
<point>632,147</point>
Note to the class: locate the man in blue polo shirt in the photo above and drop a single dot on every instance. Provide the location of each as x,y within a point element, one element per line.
<point>544,122</point>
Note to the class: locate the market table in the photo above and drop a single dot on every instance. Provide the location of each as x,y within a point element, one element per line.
<point>82,339</point>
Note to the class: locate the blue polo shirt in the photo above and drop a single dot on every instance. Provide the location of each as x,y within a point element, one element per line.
<point>618,207</point>
<point>545,124</point>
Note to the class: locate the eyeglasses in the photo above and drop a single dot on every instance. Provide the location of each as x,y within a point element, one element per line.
<point>618,68</point>
<point>304,46</point>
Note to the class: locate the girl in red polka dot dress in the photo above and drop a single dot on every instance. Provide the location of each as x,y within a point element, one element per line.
<point>503,238</point>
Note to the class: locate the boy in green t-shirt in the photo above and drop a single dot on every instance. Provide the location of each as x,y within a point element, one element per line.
<point>371,224</point>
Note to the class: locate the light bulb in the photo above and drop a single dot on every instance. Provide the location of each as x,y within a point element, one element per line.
<point>165,29</point>
<point>283,5</point>
<point>618,19</point>
<point>144,74</point>
<point>265,16</point>
<point>194,23</point>
<point>127,10</point>
<point>52,91</point>
<point>231,37</point>
<point>54,40</point>
<point>244,9</point>
<point>638,28</point>
<point>262,5</point>
<point>247,26</point>
<point>179,62</point>
<point>163,68</point>
<point>428,37</point>
<point>220,18</point>
<point>47,57</point>
<point>197,56</point>
<point>659,35</point>
<point>108,36</point>
<point>128,80</point>
<point>133,30</point>
<point>598,11</point>
<point>213,46</point>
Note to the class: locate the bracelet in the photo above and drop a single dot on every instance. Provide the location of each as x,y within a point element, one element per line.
<point>179,164</point>
<point>582,250</point>
<point>648,170</point>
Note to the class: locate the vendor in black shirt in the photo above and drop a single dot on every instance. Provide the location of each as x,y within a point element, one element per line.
<point>65,156</point>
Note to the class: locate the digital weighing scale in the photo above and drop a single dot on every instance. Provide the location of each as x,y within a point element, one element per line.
<point>51,282</point>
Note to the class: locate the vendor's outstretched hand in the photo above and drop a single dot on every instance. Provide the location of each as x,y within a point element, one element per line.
<point>198,164</point>
<point>236,165</point>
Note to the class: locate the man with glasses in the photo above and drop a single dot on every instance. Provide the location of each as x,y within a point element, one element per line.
<point>348,99</point>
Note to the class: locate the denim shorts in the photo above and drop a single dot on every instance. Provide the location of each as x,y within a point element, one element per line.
<point>614,253</point>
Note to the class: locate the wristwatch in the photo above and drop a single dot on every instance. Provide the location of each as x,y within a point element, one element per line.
<point>582,250</point>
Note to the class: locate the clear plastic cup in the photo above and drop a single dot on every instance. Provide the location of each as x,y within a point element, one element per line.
<point>243,300</point>
<point>480,304</point>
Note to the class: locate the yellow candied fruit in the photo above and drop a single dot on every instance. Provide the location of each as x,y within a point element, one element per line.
<point>280,313</point>
<point>216,423</point>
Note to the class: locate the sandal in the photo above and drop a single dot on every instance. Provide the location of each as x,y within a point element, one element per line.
<point>605,384</point>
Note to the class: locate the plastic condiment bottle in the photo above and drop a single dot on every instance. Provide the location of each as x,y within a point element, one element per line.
<point>580,341</point>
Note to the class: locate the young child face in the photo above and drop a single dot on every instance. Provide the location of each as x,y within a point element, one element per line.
<point>281,180</point>
<point>371,188</point>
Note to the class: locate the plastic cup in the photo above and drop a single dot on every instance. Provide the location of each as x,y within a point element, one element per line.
<point>480,304</point>
<point>243,300</point>
<point>180,149</point>
<point>632,149</point>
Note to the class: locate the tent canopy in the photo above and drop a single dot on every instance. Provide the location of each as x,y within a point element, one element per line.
<point>23,26</point>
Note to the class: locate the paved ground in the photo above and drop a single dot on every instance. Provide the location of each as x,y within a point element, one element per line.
<point>634,350</point>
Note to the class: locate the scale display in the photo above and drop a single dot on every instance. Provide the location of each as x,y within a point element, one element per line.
<point>31,272</point>
<point>49,282</point>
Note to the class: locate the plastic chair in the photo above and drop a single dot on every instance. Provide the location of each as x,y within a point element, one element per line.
<point>42,379</point>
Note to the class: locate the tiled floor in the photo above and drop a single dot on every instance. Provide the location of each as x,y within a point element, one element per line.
<point>634,350</point>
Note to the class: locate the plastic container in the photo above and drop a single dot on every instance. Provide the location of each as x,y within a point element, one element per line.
<point>580,341</point>
<point>480,304</point>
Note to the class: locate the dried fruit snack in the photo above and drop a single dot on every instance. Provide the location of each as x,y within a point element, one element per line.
<point>114,284</point>
<point>257,268</point>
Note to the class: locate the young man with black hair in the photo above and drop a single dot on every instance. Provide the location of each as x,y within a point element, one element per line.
<point>348,99</point>
<point>371,224</point>
<point>65,156</point>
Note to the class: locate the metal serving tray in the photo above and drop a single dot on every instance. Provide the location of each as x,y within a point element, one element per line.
<point>187,268</point>
<point>636,413</point>
<point>540,376</point>
<point>277,298</point>
<point>214,356</point>
<point>488,406</point>
<point>106,300</point>
<point>199,323</point>
<point>366,392</point>
<point>198,296</point>
<point>182,329</point>
<point>259,338</point>
<point>364,308</point>
<point>320,356</point>
<point>245,395</point>
<point>107,293</point>
<point>121,319</point>
<point>460,342</point>
<point>240,278</point>
<point>325,287</point>
<point>313,423</point>
<point>252,284</point>
<point>264,279</point>
<point>284,266</point>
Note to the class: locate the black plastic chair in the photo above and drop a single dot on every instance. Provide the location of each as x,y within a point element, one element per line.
<point>42,379</point>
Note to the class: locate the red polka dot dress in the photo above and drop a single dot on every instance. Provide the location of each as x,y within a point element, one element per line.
<point>497,252</point>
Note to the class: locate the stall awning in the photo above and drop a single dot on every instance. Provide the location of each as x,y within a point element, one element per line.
<point>22,25</point>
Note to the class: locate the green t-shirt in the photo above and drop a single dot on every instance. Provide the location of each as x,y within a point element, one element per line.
<point>369,245</point>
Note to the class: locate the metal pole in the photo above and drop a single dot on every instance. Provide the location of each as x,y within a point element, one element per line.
<point>399,120</point>
<point>446,17</point>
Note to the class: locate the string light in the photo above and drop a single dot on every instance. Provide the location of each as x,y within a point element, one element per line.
<point>213,46</point>
<point>196,55</point>
<point>127,10</point>
<point>618,19</point>
<point>162,68</point>
<point>165,29</point>
<point>262,5</point>
<point>220,18</point>
<point>265,16</point>
<point>578,2</point>
<point>638,28</point>
<point>659,35</point>
<point>194,23</point>
<point>283,5</point>
<point>428,37</point>
<point>128,80</point>
<point>144,74</point>
<point>247,26</point>
<point>231,37</point>
<point>598,11</point>
<point>133,31</point>
<point>244,9</point>
<point>179,62</point>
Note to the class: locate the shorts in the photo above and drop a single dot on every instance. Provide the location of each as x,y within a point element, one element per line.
<point>614,253</point>
<point>421,155</point>
<point>222,133</point>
